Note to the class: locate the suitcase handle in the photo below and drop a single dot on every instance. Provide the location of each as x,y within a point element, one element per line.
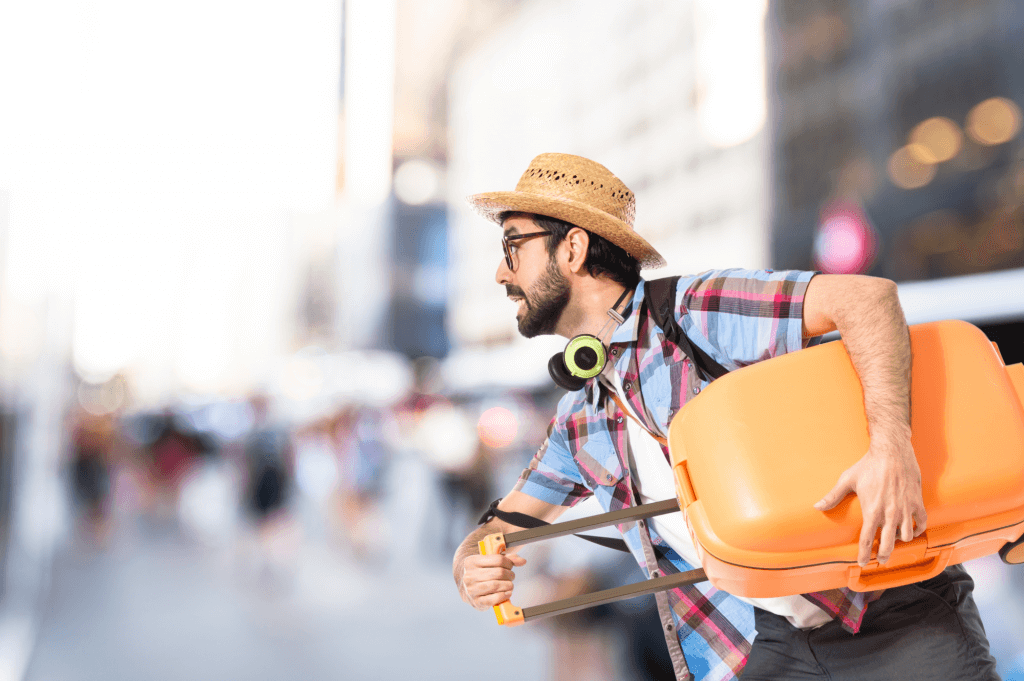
<point>860,580</point>
<point>506,613</point>
<point>510,615</point>
<point>684,488</point>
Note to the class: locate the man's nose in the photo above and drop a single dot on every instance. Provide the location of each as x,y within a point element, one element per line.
<point>504,275</point>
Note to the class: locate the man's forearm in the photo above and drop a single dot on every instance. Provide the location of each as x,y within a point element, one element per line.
<point>874,331</point>
<point>887,479</point>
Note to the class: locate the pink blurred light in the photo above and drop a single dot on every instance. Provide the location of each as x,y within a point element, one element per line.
<point>846,243</point>
<point>497,427</point>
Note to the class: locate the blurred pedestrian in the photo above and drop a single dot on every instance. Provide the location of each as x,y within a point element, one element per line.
<point>267,452</point>
<point>461,463</point>
<point>267,492</point>
<point>174,453</point>
<point>93,441</point>
<point>366,454</point>
<point>317,471</point>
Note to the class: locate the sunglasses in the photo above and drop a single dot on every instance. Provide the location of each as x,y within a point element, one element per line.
<point>510,248</point>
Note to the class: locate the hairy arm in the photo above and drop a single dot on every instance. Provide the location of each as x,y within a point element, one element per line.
<point>485,581</point>
<point>867,313</point>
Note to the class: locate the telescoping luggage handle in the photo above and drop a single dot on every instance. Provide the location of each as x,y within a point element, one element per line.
<point>510,615</point>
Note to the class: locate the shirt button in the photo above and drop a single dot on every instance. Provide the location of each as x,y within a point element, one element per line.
<point>696,390</point>
<point>608,477</point>
<point>615,352</point>
<point>626,385</point>
<point>618,420</point>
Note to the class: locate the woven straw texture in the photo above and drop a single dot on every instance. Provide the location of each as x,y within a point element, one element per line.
<point>579,191</point>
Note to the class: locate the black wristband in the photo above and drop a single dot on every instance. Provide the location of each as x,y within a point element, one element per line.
<point>490,512</point>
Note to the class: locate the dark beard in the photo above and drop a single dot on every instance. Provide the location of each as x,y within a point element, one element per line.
<point>545,302</point>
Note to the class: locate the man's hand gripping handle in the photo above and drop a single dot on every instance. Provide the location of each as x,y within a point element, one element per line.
<point>506,613</point>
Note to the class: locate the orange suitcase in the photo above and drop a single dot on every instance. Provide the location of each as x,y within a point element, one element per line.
<point>761,445</point>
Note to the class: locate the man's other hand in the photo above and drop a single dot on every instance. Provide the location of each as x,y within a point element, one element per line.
<point>887,481</point>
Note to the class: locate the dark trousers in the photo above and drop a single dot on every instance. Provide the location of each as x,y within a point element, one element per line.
<point>928,631</point>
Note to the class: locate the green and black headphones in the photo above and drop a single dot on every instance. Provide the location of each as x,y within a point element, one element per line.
<point>584,356</point>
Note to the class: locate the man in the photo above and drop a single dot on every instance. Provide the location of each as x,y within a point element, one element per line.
<point>570,254</point>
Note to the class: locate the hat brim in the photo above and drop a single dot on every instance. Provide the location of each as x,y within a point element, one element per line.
<point>492,204</point>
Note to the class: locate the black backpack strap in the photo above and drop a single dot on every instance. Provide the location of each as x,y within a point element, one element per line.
<point>529,522</point>
<point>660,298</point>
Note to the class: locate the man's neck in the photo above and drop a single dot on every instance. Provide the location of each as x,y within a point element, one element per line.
<point>587,311</point>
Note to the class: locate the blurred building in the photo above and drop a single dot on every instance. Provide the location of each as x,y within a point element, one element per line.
<point>417,318</point>
<point>667,95</point>
<point>392,256</point>
<point>896,151</point>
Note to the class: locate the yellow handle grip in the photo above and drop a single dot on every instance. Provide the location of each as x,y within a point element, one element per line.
<point>506,613</point>
<point>883,578</point>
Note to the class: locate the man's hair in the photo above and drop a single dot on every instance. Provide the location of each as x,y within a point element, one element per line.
<point>603,257</point>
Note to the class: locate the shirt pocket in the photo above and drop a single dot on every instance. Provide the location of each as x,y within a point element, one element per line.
<point>599,467</point>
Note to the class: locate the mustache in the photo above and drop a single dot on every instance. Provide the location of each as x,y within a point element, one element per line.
<point>513,290</point>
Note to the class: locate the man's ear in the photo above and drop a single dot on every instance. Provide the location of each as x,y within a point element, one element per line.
<point>577,242</point>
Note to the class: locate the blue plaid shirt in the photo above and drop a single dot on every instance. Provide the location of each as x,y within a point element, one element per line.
<point>738,317</point>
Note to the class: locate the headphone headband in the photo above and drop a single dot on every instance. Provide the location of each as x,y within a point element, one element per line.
<point>584,356</point>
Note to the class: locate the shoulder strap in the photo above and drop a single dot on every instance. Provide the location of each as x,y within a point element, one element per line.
<point>662,441</point>
<point>529,522</point>
<point>660,298</point>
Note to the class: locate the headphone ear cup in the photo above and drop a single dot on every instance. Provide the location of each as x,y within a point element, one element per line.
<point>584,357</point>
<point>561,376</point>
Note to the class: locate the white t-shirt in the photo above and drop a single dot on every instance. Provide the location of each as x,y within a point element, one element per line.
<point>653,477</point>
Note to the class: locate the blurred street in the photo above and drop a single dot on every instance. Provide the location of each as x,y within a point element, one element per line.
<point>160,605</point>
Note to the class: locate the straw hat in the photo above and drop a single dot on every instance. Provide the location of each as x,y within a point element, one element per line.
<point>578,191</point>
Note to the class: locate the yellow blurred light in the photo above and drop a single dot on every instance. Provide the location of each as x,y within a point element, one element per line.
<point>921,154</point>
<point>994,121</point>
<point>497,427</point>
<point>907,171</point>
<point>935,140</point>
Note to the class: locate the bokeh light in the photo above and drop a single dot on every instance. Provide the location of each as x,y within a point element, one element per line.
<point>907,171</point>
<point>846,243</point>
<point>994,121</point>
<point>935,140</point>
<point>497,427</point>
<point>417,182</point>
<point>445,435</point>
<point>102,398</point>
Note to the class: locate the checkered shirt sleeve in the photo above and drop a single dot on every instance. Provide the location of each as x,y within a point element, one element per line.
<point>744,316</point>
<point>552,475</point>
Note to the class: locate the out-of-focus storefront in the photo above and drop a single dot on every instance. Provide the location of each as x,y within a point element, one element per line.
<point>896,151</point>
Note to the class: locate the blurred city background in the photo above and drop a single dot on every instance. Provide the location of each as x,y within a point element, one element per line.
<point>256,380</point>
